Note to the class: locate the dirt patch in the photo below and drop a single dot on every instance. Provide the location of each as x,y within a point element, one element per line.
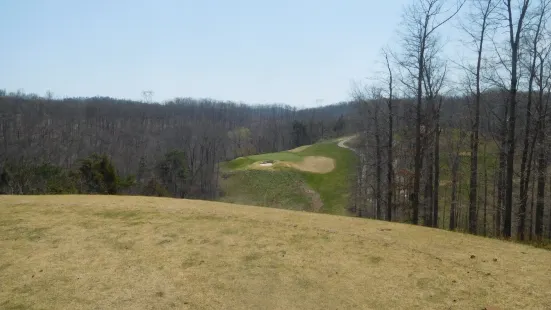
<point>317,203</point>
<point>299,149</point>
<point>315,164</point>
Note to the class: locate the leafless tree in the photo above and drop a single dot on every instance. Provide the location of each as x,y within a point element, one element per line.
<point>515,19</point>
<point>476,25</point>
<point>421,21</point>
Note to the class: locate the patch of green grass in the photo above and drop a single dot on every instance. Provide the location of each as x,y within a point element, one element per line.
<point>279,189</point>
<point>237,163</point>
<point>242,162</point>
<point>283,156</point>
<point>333,187</point>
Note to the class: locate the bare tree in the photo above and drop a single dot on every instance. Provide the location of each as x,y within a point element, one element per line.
<point>534,34</point>
<point>421,21</point>
<point>390,144</point>
<point>542,76</point>
<point>476,25</point>
<point>515,25</point>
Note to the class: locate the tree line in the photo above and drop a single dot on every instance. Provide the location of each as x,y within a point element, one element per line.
<point>461,142</point>
<point>110,146</point>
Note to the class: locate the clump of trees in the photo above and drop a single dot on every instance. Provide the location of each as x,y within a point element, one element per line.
<point>462,140</point>
<point>95,175</point>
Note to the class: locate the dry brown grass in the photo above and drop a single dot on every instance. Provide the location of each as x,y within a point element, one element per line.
<point>109,252</point>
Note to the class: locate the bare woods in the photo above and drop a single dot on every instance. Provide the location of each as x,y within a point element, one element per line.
<point>109,146</point>
<point>460,141</point>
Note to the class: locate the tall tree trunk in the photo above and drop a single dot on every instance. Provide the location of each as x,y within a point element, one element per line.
<point>473,185</point>
<point>509,172</point>
<point>524,174</point>
<point>378,168</point>
<point>541,171</point>
<point>428,193</point>
<point>541,162</point>
<point>453,208</point>
<point>514,40</point>
<point>501,177</point>
<point>485,193</point>
<point>417,163</point>
<point>436,167</point>
<point>390,158</point>
<point>532,200</point>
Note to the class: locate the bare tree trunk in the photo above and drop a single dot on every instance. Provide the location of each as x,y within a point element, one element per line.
<point>453,208</point>
<point>543,82</point>
<point>378,163</point>
<point>390,158</point>
<point>436,167</point>
<point>417,163</point>
<point>541,171</point>
<point>514,41</point>
<point>501,177</point>
<point>421,20</point>
<point>524,171</point>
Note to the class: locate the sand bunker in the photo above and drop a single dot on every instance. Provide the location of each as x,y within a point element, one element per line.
<point>316,164</point>
<point>267,164</point>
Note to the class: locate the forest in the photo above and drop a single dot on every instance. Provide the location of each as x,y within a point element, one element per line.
<point>109,146</point>
<point>469,149</point>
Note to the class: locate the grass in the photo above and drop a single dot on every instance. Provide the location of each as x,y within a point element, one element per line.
<point>280,189</point>
<point>188,254</point>
<point>283,185</point>
<point>333,187</point>
<point>283,156</point>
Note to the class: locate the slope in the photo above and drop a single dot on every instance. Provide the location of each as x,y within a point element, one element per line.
<point>310,178</point>
<point>114,252</point>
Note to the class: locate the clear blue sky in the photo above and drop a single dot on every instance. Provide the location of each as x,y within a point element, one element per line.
<point>255,51</point>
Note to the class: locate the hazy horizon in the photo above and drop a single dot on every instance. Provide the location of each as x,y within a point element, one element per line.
<point>302,54</point>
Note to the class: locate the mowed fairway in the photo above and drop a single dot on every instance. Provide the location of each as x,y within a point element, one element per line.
<point>114,252</point>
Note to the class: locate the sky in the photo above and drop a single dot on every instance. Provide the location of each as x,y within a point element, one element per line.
<point>302,53</point>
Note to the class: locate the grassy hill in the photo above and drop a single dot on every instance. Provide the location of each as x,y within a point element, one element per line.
<point>114,252</point>
<point>309,178</point>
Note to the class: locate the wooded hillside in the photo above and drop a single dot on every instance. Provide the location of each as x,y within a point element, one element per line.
<point>170,149</point>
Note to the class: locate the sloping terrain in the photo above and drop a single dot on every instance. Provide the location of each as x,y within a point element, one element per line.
<point>114,252</point>
<point>309,178</point>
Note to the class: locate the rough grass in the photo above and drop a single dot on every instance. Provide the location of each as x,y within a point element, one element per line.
<point>282,189</point>
<point>323,167</point>
<point>283,156</point>
<point>106,252</point>
<point>333,187</point>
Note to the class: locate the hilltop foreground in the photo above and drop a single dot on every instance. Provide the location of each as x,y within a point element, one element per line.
<point>113,252</point>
